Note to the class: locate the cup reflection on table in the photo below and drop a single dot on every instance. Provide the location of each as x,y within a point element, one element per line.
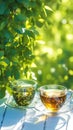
<point>53,96</point>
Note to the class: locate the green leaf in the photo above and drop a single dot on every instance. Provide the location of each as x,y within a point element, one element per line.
<point>7,61</point>
<point>13,52</point>
<point>1,53</point>
<point>10,1</point>
<point>2,7</point>
<point>15,72</point>
<point>7,72</point>
<point>3,63</point>
<point>36,32</point>
<point>15,44</point>
<point>25,39</point>
<point>24,2</point>
<point>19,30</point>
<point>8,35</point>
<point>30,33</point>
<point>20,18</point>
<point>7,12</point>
<point>27,52</point>
<point>2,91</point>
<point>40,23</point>
<point>20,1</point>
<point>2,25</point>
<point>33,4</point>
<point>49,11</point>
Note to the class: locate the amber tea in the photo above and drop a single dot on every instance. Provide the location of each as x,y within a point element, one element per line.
<point>53,99</point>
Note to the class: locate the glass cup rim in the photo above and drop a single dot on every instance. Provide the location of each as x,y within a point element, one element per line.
<point>53,86</point>
<point>20,84</point>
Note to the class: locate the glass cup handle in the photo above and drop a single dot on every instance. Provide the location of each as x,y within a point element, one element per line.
<point>69,96</point>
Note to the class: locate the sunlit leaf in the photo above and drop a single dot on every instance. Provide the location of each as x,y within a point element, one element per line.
<point>48,8</point>
<point>3,63</point>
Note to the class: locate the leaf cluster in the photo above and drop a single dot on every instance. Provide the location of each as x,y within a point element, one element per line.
<point>19,20</point>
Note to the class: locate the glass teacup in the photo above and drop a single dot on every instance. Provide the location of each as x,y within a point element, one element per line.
<point>23,91</point>
<point>54,96</point>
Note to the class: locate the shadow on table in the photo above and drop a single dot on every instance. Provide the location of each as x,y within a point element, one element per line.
<point>57,123</point>
<point>12,118</point>
<point>16,119</point>
<point>37,121</point>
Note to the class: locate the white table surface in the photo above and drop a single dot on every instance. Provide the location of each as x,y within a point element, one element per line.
<point>31,119</point>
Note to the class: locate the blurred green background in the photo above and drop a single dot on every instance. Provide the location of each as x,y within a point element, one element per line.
<point>54,50</point>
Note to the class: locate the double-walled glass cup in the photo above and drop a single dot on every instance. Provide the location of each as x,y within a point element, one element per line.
<point>54,96</point>
<point>23,91</point>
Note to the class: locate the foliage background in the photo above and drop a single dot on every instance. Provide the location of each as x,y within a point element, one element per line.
<point>36,41</point>
<point>54,50</point>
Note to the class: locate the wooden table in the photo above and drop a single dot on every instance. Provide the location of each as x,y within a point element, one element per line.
<point>32,119</point>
